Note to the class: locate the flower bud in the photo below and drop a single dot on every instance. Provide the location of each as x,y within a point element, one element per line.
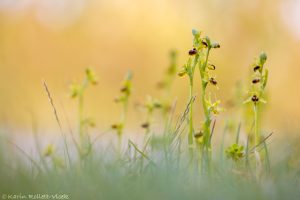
<point>208,42</point>
<point>157,104</point>
<point>117,126</point>
<point>204,43</point>
<point>182,72</point>
<point>91,76</point>
<point>198,134</point>
<point>75,90</point>
<point>114,126</point>
<point>215,45</point>
<point>213,81</point>
<point>49,150</point>
<point>211,67</point>
<point>262,58</point>
<point>124,89</point>
<point>195,33</point>
<point>145,125</point>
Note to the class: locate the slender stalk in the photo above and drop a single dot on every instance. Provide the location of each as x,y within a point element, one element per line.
<point>123,121</point>
<point>256,140</point>
<point>191,128</point>
<point>222,144</point>
<point>256,128</point>
<point>259,81</point>
<point>58,121</point>
<point>148,121</point>
<point>238,134</point>
<point>205,108</point>
<point>84,140</point>
<point>80,115</point>
<point>125,93</point>
<point>207,119</point>
<point>268,165</point>
<point>206,150</point>
<point>80,108</point>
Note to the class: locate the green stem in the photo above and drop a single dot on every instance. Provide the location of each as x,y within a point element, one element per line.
<point>206,59</point>
<point>122,122</point>
<point>256,129</point>
<point>268,166</point>
<point>256,139</point>
<point>80,115</point>
<point>205,109</point>
<point>206,150</point>
<point>207,122</point>
<point>80,106</point>
<point>191,128</point>
<point>82,135</point>
<point>148,121</point>
<point>123,116</point>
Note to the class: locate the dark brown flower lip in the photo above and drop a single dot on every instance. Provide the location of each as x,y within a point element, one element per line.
<point>198,134</point>
<point>211,67</point>
<point>255,98</point>
<point>204,43</point>
<point>256,68</point>
<point>193,52</point>
<point>256,80</point>
<point>145,125</point>
<point>213,81</point>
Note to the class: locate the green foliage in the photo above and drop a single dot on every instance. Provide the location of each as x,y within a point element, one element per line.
<point>166,84</point>
<point>235,152</point>
<point>123,99</point>
<point>199,55</point>
<point>125,89</point>
<point>150,105</point>
<point>259,80</point>
<point>256,93</point>
<point>91,76</point>
<point>164,166</point>
<point>49,150</point>
<point>77,91</point>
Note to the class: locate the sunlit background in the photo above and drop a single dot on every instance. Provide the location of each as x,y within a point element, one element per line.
<point>55,40</point>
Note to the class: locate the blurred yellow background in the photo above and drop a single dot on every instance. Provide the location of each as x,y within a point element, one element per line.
<point>56,40</point>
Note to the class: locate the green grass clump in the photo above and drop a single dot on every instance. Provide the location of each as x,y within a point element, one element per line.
<point>84,146</point>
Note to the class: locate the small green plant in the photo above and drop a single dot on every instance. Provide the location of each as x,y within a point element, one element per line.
<point>124,100</point>
<point>209,107</point>
<point>256,97</point>
<point>199,55</point>
<point>77,92</point>
<point>189,70</point>
<point>166,84</point>
<point>159,165</point>
<point>235,152</point>
<point>150,105</point>
<point>49,152</point>
<point>256,93</point>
